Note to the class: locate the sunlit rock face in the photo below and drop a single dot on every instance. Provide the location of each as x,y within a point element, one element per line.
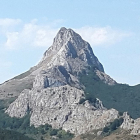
<point>130,124</point>
<point>59,106</point>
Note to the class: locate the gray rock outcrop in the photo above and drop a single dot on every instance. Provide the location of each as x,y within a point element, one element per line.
<point>131,124</point>
<point>59,106</point>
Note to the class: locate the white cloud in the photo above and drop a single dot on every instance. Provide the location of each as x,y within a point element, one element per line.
<point>35,35</point>
<point>9,25</point>
<point>102,35</point>
<point>12,39</point>
<point>32,35</point>
<point>5,64</point>
<point>9,22</point>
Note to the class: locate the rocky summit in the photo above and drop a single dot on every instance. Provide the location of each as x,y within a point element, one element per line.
<point>60,65</point>
<point>51,91</point>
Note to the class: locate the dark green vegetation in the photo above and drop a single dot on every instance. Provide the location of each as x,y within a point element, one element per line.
<point>112,132</point>
<point>119,96</point>
<point>113,125</point>
<point>118,134</point>
<point>22,127</point>
<point>12,135</point>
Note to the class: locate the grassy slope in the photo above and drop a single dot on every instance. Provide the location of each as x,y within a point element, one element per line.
<point>118,134</point>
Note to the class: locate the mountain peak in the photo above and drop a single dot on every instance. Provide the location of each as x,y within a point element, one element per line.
<point>55,90</point>
<point>64,35</point>
<point>68,47</point>
<point>68,56</point>
<point>62,29</point>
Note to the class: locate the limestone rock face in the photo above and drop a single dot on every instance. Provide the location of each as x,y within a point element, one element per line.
<point>70,51</point>
<point>20,106</point>
<point>59,106</point>
<point>136,128</point>
<point>131,124</point>
<point>128,122</point>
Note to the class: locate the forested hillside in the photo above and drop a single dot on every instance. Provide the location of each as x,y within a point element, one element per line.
<point>119,96</point>
<point>12,135</point>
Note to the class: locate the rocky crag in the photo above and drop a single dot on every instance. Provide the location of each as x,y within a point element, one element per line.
<point>61,63</point>
<point>130,124</point>
<point>51,91</point>
<point>59,106</point>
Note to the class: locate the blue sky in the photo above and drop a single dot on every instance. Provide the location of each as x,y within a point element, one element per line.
<point>27,29</point>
